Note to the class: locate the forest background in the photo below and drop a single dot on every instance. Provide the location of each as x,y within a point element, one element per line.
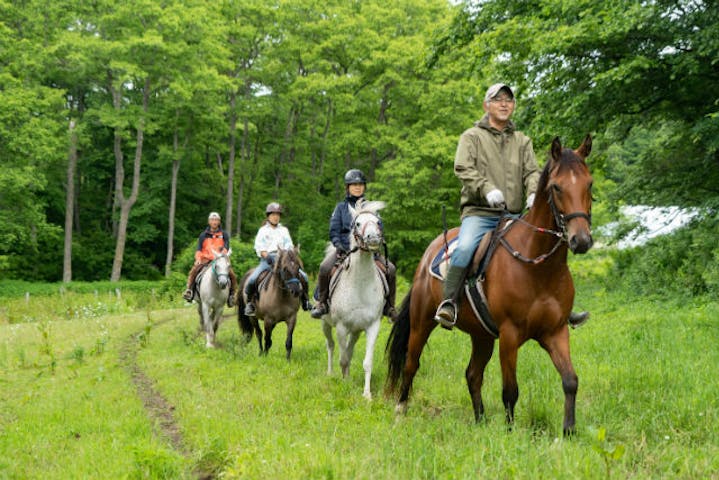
<point>124,123</point>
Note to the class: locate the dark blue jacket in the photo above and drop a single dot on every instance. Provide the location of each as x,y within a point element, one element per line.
<point>341,223</point>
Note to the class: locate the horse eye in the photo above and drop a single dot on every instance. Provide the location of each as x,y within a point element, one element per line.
<point>556,188</point>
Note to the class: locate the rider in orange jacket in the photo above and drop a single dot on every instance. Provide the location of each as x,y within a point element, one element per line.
<point>212,240</point>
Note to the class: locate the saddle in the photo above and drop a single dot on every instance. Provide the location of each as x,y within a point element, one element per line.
<point>198,279</point>
<point>336,274</point>
<point>475,275</point>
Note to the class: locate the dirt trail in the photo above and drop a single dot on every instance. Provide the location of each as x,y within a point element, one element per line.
<point>159,410</point>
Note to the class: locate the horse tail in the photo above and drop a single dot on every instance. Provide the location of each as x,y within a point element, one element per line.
<point>397,344</point>
<point>243,320</point>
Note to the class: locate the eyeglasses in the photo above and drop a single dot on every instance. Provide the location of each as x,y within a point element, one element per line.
<point>501,100</point>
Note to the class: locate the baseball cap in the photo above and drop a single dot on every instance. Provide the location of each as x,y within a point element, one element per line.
<point>495,89</point>
<point>214,215</point>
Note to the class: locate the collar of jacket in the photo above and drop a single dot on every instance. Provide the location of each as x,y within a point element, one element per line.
<point>484,123</point>
<point>352,200</point>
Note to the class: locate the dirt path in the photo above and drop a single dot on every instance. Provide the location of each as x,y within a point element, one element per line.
<point>158,408</point>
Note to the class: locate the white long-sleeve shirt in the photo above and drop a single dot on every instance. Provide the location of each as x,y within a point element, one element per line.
<point>270,239</point>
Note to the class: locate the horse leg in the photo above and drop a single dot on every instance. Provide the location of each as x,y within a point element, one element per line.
<point>481,353</point>
<point>344,338</point>
<point>269,326</point>
<point>207,315</point>
<point>330,342</point>
<point>508,347</point>
<point>371,334</point>
<point>418,336</point>
<point>290,330</point>
<point>557,346</point>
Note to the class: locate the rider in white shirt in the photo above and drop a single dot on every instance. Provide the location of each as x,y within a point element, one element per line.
<point>270,238</point>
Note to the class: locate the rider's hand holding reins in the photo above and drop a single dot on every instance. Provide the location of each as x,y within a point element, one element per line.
<point>495,198</point>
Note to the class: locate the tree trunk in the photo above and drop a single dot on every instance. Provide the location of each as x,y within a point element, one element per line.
<point>231,163</point>
<point>69,204</point>
<point>173,202</point>
<point>243,167</point>
<point>126,204</point>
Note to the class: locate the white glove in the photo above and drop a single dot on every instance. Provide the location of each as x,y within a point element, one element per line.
<point>495,198</point>
<point>530,201</point>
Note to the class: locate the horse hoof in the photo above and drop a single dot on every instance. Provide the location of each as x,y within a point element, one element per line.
<point>401,408</point>
<point>367,395</point>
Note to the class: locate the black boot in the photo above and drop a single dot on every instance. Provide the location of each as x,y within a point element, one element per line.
<point>447,312</point>
<point>576,320</point>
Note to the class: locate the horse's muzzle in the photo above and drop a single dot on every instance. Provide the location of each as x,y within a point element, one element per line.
<point>223,281</point>
<point>581,242</point>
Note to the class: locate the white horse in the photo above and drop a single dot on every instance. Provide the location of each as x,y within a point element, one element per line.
<point>358,294</point>
<point>214,288</point>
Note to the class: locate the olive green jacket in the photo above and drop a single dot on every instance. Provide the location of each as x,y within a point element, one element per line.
<point>487,159</point>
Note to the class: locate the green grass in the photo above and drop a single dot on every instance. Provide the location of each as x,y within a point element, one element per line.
<point>645,370</point>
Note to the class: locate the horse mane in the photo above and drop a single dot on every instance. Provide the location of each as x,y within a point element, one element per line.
<point>367,206</point>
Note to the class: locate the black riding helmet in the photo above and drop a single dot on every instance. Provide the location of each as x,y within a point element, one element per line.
<point>355,176</point>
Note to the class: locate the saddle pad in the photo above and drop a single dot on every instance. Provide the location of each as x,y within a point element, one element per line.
<point>440,264</point>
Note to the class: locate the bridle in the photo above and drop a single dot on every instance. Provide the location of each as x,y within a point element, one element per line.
<point>215,273</point>
<point>560,219</point>
<point>359,234</point>
<point>284,281</point>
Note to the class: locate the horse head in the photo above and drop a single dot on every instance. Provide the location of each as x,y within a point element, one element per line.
<point>569,190</point>
<point>221,268</point>
<point>367,232</point>
<point>287,268</point>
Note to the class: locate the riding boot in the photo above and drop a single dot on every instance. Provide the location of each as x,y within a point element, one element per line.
<point>323,286</point>
<point>190,291</point>
<point>233,289</point>
<point>447,311</point>
<point>389,311</point>
<point>576,320</point>
<point>250,306</point>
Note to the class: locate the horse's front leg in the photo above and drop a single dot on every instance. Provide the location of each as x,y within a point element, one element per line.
<point>330,342</point>
<point>557,345</point>
<point>344,338</point>
<point>207,318</point>
<point>508,346</point>
<point>371,334</point>
<point>291,322</point>
<point>269,327</point>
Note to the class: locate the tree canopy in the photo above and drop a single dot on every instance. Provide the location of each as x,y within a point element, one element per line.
<point>175,109</point>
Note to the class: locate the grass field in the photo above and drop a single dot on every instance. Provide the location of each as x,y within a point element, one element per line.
<point>647,405</point>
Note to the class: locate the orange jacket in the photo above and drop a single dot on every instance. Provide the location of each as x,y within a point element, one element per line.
<point>210,242</point>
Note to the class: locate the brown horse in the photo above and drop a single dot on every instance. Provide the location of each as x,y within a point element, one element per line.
<point>527,284</point>
<point>279,300</point>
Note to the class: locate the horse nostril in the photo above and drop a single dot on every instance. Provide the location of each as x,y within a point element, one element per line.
<point>580,243</point>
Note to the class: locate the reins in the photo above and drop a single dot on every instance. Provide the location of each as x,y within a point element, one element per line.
<point>560,220</point>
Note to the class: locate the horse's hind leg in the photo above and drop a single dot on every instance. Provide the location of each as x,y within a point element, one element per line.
<point>327,330</point>
<point>419,333</point>
<point>481,353</point>
<point>558,348</point>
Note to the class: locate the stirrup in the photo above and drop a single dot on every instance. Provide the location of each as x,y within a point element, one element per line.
<point>318,310</point>
<point>442,319</point>
<point>188,293</point>
<point>576,320</point>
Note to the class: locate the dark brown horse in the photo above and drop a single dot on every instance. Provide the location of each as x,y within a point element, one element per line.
<point>528,287</point>
<point>279,300</point>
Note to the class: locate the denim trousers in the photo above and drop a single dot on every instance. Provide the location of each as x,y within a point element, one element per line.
<point>470,234</point>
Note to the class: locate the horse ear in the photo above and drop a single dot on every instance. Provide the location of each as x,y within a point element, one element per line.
<point>229,252</point>
<point>556,149</point>
<point>586,147</point>
<point>297,249</point>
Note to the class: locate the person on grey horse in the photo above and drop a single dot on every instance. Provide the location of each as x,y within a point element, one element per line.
<point>340,229</point>
<point>271,236</point>
<point>212,239</point>
<point>498,170</point>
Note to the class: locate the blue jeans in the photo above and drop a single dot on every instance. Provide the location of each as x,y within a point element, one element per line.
<point>470,234</point>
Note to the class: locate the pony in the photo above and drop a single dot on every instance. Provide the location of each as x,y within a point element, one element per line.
<point>214,283</point>
<point>527,285</point>
<point>279,300</point>
<point>357,292</point>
